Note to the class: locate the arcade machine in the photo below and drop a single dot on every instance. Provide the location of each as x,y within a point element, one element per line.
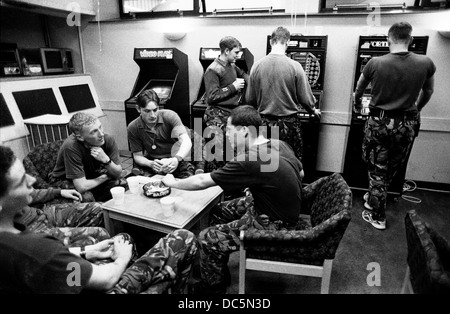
<point>207,56</point>
<point>355,170</point>
<point>165,70</point>
<point>310,52</point>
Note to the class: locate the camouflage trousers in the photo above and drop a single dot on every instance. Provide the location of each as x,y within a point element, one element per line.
<point>219,241</point>
<point>69,222</point>
<point>231,210</point>
<point>289,130</point>
<point>386,145</point>
<point>167,264</point>
<point>216,145</point>
<point>184,170</point>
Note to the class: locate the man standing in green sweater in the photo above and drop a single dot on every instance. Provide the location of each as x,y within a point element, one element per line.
<point>224,83</point>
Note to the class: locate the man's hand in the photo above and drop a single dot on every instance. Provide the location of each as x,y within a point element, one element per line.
<point>73,194</point>
<point>357,104</point>
<point>100,250</point>
<point>239,83</point>
<point>170,165</point>
<point>121,249</point>
<point>156,165</point>
<point>317,113</point>
<point>169,180</point>
<point>99,154</point>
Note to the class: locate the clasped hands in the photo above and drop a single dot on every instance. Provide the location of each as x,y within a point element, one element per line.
<point>164,165</point>
<point>113,248</point>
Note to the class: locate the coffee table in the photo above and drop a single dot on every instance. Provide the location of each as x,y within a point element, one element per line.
<point>140,210</point>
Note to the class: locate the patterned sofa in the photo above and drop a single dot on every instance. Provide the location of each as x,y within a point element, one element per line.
<point>39,163</point>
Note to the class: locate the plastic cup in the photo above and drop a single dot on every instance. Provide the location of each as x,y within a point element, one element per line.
<point>118,194</point>
<point>133,184</point>
<point>168,205</point>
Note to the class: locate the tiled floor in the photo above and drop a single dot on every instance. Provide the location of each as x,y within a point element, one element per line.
<point>126,160</point>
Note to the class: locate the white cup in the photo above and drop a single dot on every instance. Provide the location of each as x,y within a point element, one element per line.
<point>168,205</point>
<point>133,184</point>
<point>118,194</point>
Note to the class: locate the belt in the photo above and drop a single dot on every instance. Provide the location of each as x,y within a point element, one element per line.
<point>269,116</point>
<point>392,114</point>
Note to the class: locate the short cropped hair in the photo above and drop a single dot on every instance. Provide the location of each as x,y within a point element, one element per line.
<point>280,35</point>
<point>80,120</point>
<point>149,95</point>
<point>7,159</point>
<point>245,116</point>
<point>400,32</point>
<point>229,42</point>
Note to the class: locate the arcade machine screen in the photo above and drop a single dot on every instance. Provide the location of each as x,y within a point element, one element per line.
<point>163,88</point>
<point>165,70</point>
<point>355,171</point>
<point>209,53</point>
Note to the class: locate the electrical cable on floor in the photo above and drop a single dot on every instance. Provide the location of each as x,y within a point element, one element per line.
<point>410,186</point>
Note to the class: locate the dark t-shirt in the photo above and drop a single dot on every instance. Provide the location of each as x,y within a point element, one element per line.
<point>272,172</point>
<point>39,263</point>
<point>160,142</point>
<point>75,160</point>
<point>397,79</point>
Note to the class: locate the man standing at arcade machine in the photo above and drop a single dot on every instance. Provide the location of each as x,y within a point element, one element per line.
<point>402,84</point>
<point>224,84</point>
<point>277,87</point>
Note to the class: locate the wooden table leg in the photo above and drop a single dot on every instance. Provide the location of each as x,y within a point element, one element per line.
<point>109,225</point>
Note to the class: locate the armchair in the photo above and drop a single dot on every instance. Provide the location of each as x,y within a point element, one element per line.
<point>39,163</point>
<point>428,269</point>
<point>309,250</point>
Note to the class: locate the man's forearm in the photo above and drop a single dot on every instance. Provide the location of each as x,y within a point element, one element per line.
<point>194,183</point>
<point>424,98</point>
<point>185,148</point>
<point>142,161</point>
<point>82,185</point>
<point>105,276</point>
<point>114,170</point>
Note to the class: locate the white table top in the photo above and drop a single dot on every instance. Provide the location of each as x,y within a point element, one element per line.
<point>142,207</point>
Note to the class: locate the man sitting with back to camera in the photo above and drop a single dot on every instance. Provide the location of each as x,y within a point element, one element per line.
<point>158,140</point>
<point>273,174</point>
<point>90,158</point>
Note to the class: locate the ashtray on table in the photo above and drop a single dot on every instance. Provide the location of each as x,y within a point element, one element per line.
<point>156,189</point>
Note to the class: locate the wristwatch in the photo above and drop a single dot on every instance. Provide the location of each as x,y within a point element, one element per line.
<point>83,252</point>
<point>179,158</point>
<point>108,162</point>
